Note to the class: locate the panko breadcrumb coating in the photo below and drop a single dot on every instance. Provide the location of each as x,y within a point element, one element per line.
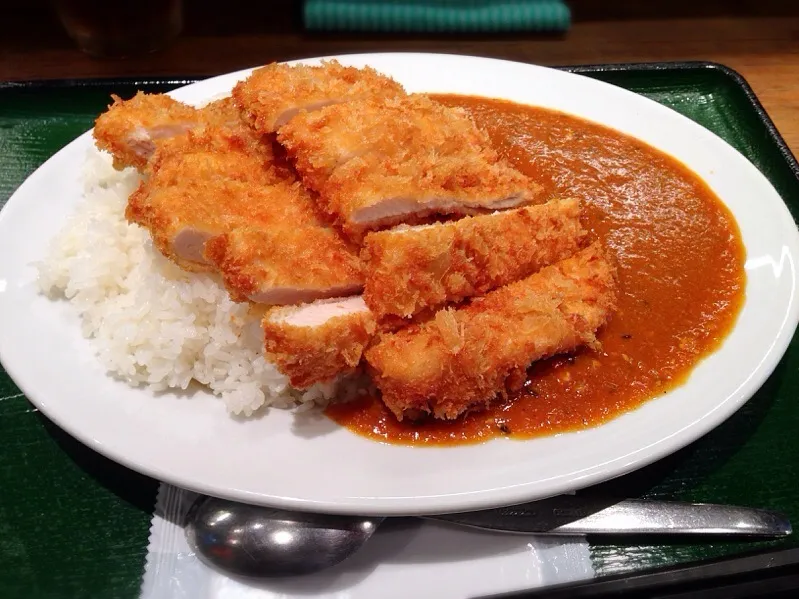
<point>200,185</point>
<point>213,201</point>
<point>377,162</point>
<point>285,262</point>
<point>461,359</point>
<point>317,342</point>
<point>275,93</point>
<point>410,269</point>
<point>131,130</point>
<point>323,140</point>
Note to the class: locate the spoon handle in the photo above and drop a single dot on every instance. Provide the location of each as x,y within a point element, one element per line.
<point>576,515</point>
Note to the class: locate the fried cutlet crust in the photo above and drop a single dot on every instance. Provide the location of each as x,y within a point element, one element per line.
<point>462,359</point>
<point>369,193</point>
<point>321,141</point>
<point>411,269</point>
<point>250,156</point>
<point>130,129</point>
<point>375,162</point>
<point>208,180</point>
<point>285,262</point>
<point>247,218</point>
<point>314,354</point>
<point>273,94</point>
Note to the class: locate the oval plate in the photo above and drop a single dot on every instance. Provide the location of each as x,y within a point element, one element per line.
<point>310,463</point>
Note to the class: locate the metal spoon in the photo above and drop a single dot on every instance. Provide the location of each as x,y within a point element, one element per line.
<point>259,542</point>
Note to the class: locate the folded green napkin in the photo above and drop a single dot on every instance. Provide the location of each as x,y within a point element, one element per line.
<point>437,15</point>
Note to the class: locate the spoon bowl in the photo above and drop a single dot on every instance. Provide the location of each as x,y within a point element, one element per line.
<point>272,543</point>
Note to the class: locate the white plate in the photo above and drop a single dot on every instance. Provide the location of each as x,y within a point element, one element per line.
<point>316,465</point>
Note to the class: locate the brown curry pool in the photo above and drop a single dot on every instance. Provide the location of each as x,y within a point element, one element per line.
<point>681,275</point>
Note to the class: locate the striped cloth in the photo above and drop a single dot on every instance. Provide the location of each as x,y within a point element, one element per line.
<point>437,15</point>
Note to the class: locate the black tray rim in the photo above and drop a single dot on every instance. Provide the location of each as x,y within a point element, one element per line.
<point>584,69</point>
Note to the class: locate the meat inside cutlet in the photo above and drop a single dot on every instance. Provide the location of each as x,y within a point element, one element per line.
<point>378,162</point>
<point>319,341</point>
<point>131,130</point>
<point>272,95</point>
<point>463,358</point>
<point>410,269</point>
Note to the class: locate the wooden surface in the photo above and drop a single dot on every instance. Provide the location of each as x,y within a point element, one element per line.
<point>760,39</point>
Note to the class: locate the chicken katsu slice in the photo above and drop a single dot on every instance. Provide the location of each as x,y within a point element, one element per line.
<point>370,192</point>
<point>220,113</point>
<point>463,358</point>
<point>410,269</point>
<point>207,182</point>
<point>217,186</point>
<point>215,151</point>
<point>317,342</point>
<point>379,162</point>
<point>272,95</point>
<point>181,219</point>
<point>130,129</point>
<point>285,262</point>
<point>321,141</point>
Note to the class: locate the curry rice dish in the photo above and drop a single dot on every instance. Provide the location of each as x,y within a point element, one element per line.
<point>375,232</point>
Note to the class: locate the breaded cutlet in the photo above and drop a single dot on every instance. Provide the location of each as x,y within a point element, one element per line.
<point>410,269</point>
<point>462,358</point>
<point>379,162</point>
<point>285,262</point>
<point>273,94</point>
<point>196,185</point>
<point>214,201</point>
<point>131,130</point>
<point>323,140</point>
<point>317,342</point>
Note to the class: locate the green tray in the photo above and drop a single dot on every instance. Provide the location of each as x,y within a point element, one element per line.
<point>74,524</point>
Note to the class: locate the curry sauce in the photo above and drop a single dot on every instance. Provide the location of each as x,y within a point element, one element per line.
<point>680,276</point>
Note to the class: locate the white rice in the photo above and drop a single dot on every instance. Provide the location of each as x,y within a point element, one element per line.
<point>151,323</point>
